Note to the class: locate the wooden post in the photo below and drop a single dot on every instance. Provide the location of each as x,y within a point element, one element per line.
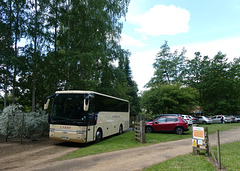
<point>218,150</point>
<point>142,132</point>
<point>206,141</point>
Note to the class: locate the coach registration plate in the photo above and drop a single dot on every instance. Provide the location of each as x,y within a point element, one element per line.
<point>64,138</point>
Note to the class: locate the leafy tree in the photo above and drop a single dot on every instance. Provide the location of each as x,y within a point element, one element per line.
<point>216,81</point>
<point>69,45</point>
<point>195,70</point>
<point>130,89</point>
<point>169,99</point>
<point>7,51</point>
<point>168,66</point>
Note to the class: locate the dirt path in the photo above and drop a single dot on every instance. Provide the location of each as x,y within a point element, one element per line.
<point>130,159</point>
<point>16,156</point>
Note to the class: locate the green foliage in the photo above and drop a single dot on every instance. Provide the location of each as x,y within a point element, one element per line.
<point>11,122</point>
<point>217,82</point>
<point>168,66</point>
<point>169,99</point>
<point>69,45</point>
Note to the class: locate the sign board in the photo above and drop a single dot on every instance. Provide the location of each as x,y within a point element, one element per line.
<point>194,143</point>
<point>200,142</point>
<point>198,133</point>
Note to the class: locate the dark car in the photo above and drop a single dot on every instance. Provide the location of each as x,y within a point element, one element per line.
<point>167,123</point>
<point>160,115</point>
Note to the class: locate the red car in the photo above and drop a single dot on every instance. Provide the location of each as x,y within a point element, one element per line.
<point>167,123</point>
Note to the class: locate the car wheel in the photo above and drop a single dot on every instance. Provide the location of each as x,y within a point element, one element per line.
<point>179,130</point>
<point>204,122</point>
<point>98,135</point>
<point>149,129</point>
<point>120,129</point>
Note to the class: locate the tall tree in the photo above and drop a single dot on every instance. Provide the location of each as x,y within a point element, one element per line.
<point>18,31</point>
<point>7,51</point>
<point>168,66</point>
<point>35,49</point>
<point>195,70</point>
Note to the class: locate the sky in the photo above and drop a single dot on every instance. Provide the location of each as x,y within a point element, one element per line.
<point>205,26</point>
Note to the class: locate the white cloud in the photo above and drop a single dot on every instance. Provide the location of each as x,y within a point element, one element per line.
<point>141,63</point>
<point>142,67</point>
<point>229,46</point>
<point>129,41</point>
<point>162,20</point>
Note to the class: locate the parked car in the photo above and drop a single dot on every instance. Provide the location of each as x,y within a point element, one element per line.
<point>194,119</point>
<point>237,117</point>
<point>217,119</point>
<point>227,119</point>
<point>203,120</point>
<point>188,119</point>
<point>233,119</point>
<point>160,115</point>
<point>167,123</point>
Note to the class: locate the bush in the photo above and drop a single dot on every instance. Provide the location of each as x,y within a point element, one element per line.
<point>11,122</point>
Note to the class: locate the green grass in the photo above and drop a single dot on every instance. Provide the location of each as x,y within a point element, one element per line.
<point>184,162</point>
<point>127,140</point>
<point>230,155</point>
<point>230,158</point>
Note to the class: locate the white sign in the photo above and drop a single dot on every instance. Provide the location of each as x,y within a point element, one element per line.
<point>200,142</point>
<point>198,133</point>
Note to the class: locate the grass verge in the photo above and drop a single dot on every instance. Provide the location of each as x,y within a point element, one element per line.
<point>184,162</point>
<point>230,155</point>
<point>126,140</point>
<point>229,158</point>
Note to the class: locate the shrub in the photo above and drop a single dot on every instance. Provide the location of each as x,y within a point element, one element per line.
<point>11,122</point>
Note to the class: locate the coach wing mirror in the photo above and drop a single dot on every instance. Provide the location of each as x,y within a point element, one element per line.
<point>86,104</point>
<point>46,104</point>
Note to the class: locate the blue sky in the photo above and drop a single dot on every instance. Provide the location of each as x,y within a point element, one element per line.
<point>207,26</point>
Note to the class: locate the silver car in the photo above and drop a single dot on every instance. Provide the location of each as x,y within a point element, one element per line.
<point>237,118</point>
<point>203,120</point>
<point>233,119</point>
<point>217,119</point>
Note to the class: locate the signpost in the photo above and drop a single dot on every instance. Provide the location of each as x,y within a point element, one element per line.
<point>200,138</point>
